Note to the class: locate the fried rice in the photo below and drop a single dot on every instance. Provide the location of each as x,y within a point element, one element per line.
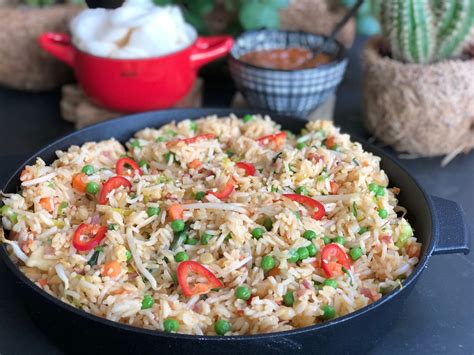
<point>270,280</point>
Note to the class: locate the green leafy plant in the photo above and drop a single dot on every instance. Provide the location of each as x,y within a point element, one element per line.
<point>425,31</point>
<point>250,14</point>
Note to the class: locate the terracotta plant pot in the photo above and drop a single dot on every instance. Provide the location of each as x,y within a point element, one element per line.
<point>426,110</point>
<point>23,65</point>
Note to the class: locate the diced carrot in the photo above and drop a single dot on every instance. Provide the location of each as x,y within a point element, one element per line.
<point>274,272</point>
<point>43,282</point>
<point>118,291</point>
<point>78,182</point>
<point>330,142</point>
<point>175,211</point>
<point>334,187</point>
<point>47,203</point>
<point>194,164</point>
<point>112,269</point>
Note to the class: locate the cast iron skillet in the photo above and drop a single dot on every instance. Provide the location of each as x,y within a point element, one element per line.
<point>439,224</point>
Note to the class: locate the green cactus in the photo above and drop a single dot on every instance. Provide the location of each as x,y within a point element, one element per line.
<point>424,31</point>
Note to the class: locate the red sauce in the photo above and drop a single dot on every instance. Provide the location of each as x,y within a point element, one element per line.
<point>286,59</point>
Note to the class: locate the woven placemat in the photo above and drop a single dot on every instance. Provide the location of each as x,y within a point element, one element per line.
<point>76,107</point>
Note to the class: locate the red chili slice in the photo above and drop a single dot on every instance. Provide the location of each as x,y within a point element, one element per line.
<point>333,259</point>
<point>194,139</point>
<point>228,189</point>
<point>278,138</point>
<point>119,167</point>
<point>183,271</point>
<point>249,168</point>
<point>112,184</point>
<point>88,236</point>
<point>319,212</point>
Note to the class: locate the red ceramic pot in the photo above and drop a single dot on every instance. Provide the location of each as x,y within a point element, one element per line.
<point>134,85</point>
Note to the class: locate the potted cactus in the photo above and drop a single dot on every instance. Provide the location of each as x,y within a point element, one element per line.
<point>418,78</point>
<point>23,65</point>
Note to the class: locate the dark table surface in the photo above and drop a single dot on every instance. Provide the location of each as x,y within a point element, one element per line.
<point>437,318</point>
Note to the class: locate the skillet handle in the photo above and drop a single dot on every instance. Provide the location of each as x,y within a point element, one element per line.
<point>454,236</point>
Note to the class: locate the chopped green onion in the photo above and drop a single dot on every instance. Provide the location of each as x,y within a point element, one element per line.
<point>199,195</point>
<point>268,223</point>
<point>363,230</point>
<point>354,209</point>
<point>289,299</point>
<point>61,207</point>
<point>302,190</point>
<point>135,143</point>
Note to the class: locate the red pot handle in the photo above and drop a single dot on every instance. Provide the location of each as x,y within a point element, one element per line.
<point>59,45</point>
<point>207,49</point>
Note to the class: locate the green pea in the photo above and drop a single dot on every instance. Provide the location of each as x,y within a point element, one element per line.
<point>221,327</point>
<point>329,312</point>
<point>177,225</point>
<point>128,255</point>
<point>301,190</point>
<point>309,234</point>
<point>242,293</point>
<point>147,302</point>
<point>330,282</point>
<point>112,227</point>
<point>268,263</point>
<point>302,253</point>
<point>300,145</point>
<point>153,211</point>
<point>205,237</point>
<point>312,250</point>
<point>326,240</point>
<point>383,213</point>
<point>355,253</point>
<point>135,143</point>
<point>170,325</point>
<point>376,189</point>
<point>257,232</point>
<point>92,188</point>
<point>268,223</point>
<point>247,118</point>
<point>181,256</point>
<point>160,139</point>
<point>88,170</point>
<point>363,230</point>
<point>199,195</point>
<point>191,241</point>
<point>143,164</point>
<point>171,133</point>
<point>339,240</point>
<point>293,256</point>
<point>289,299</point>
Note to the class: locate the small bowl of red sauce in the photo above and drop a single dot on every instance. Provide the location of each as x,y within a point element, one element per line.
<point>277,70</point>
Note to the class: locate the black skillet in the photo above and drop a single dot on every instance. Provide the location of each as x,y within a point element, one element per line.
<point>439,224</point>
